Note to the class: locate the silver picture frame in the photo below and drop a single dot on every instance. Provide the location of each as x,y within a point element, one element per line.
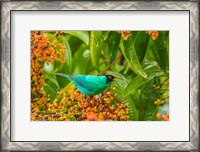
<point>8,6</point>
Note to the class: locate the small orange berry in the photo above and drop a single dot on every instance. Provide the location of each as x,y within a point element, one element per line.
<point>158,115</point>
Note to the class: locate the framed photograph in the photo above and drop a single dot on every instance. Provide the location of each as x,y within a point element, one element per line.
<point>100,75</point>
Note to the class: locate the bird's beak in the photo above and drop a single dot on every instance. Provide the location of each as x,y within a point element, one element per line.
<point>115,79</point>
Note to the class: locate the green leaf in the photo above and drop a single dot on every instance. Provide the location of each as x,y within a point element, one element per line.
<point>68,55</point>
<point>83,35</point>
<point>153,114</point>
<point>117,67</point>
<point>133,112</point>
<point>51,78</point>
<point>167,42</point>
<point>148,96</point>
<point>139,81</point>
<point>126,70</point>
<point>159,49</point>
<point>67,87</point>
<point>58,66</point>
<point>141,44</point>
<point>49,35</point>
<point>74,42</point>
<point>51,90</point>
<point>113,45</point>
<point>95,47</point>
<point>81,59</point>
<point>128,50</point>
<point>105,35</point>
<point>136,97</point>
<point>136,83</point>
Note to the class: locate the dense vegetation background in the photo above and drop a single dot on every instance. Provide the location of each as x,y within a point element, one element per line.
<point>139,58</point>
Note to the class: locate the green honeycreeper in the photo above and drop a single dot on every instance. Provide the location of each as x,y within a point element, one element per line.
<point>89,84</point>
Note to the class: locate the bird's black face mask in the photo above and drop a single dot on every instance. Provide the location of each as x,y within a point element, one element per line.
<point>109,78</point>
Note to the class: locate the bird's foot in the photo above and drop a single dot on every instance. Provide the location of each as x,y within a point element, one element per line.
<point>100,100</point>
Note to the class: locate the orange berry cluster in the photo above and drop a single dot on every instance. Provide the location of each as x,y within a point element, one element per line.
<point>59,34</point>
<point>163,88</point>
<point>159,102</point>
<point>153,34</point>
<point>125,34</point>
<point>163,98</point>
<point>42,50</point>
<point>73,106</point>
<point>164,117</point>
<point>165,85</point>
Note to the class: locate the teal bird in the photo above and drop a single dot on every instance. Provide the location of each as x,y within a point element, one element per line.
<point>89,84</point>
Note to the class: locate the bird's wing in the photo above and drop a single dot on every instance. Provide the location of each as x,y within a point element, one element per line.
<point>89,82</point>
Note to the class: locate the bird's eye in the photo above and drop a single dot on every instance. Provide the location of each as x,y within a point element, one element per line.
<point>110,77</point>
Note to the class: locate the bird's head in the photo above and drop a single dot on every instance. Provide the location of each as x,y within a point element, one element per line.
<point>110,78</point>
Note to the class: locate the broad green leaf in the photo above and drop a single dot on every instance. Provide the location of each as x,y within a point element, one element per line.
<point>159,49</point>
<point>113,45</point>
<point>128,50</point>
<point>81,59</point>
<point>136,83</point>
<point>105,50</point>
<point>66,67</point>
<point>141,44</point>
<point>83,35</point>
<point>74,42</point>
<point>51,78</point>
<point>149,64</point>
<point>139,81</point>
<point>95,47</point>
<point>62,81</point>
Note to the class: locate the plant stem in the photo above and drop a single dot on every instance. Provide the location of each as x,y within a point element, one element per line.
<point>118,57</point>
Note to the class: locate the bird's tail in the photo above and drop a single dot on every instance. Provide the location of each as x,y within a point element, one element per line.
<point>64,75</point>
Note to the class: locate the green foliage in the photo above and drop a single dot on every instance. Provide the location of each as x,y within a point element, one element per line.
<point>113,45</point>
<point>160,50</point>
<point>128,49</point>
<point>83,35</point>
<point>140,62</point>
<point>141,44</point>
<point>67,68</point>
<point>95,47</point>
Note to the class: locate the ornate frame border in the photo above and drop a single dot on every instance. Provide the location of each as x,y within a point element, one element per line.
<point>8,6</point>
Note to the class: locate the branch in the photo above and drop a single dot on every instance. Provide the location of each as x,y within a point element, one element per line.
<point>118,57</point>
